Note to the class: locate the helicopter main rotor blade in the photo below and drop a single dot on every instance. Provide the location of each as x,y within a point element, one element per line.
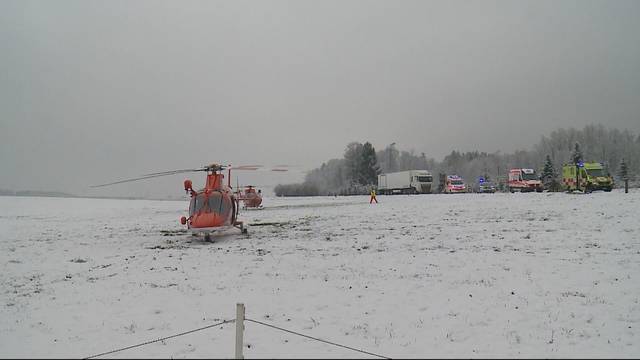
<point>252,168</point>
<point>246,167</point>
<point>211,167</point>
<point>171,172</point>
<point>148,176</point>
<point>258,168</point>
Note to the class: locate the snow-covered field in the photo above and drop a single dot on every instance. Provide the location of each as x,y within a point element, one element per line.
<point>469,275</point>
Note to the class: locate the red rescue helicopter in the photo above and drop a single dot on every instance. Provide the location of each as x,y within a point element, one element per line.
<point>215,207</point>
<point>250,198</point>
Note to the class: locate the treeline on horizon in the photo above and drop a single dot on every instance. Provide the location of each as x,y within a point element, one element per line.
<point>5,192</point>
<point>357,171</point>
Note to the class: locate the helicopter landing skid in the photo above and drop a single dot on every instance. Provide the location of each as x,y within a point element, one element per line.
<point>208,232</point>
<point>240,225</point>
<point>259,207</point>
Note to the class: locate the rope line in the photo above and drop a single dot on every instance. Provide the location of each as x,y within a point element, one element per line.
<point>161,339</point>
<point>313,338</point>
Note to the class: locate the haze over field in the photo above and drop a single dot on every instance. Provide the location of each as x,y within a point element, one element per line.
<point>97,91</point>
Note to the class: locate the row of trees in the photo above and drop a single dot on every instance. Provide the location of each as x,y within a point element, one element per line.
<point>357,171</point>
<point>550,176</point>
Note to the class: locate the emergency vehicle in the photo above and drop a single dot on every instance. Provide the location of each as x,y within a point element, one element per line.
<point>454,184</point>
<point>485,186</point>
<point>591,176</point>
<point>524,180</point>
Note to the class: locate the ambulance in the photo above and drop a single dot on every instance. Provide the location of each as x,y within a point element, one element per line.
<point>591,176</point>
<point>454,184</point>
<point>524,180</point>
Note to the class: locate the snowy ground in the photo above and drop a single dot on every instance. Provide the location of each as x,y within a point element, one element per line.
<point>468,275</point>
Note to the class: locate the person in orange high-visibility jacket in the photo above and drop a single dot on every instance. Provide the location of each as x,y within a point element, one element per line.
<point>373,196</point>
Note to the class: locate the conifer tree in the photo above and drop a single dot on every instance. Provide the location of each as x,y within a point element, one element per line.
<point>549,176</point>
<point>623,172</point>
<point>576,156</point>
<point>353,163</point>
<point>369,168</point>
<point>548,172</point>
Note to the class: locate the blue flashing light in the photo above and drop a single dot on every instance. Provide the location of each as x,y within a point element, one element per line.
<point>581,164</point>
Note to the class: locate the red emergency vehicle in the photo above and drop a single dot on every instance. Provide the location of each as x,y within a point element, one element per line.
<point>454,184</point>
<point>524,180</point>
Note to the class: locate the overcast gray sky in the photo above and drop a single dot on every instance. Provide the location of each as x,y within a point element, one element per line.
<point>92,91</point>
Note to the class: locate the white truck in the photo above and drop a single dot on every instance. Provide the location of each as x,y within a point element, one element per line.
<point>405,182</point>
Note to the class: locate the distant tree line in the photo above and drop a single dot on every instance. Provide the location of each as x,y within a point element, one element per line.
<point>357,171</point>
<point>5,192</point>
<point>303,189</point>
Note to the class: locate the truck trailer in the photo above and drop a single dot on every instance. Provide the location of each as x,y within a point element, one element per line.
<point>405,182</point>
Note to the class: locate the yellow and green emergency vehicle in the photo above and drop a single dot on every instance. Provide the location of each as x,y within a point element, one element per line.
<point>591,176</point>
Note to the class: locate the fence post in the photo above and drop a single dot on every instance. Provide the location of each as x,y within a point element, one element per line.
<point>239,330</point>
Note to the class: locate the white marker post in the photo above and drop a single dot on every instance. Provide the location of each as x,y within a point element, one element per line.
<point>239,330</point>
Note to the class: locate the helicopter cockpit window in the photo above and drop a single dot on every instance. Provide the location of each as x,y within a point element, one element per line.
<point>199,203</point>
<point>192,207</point>
<point>217,204</point>
<point>215,200</point>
